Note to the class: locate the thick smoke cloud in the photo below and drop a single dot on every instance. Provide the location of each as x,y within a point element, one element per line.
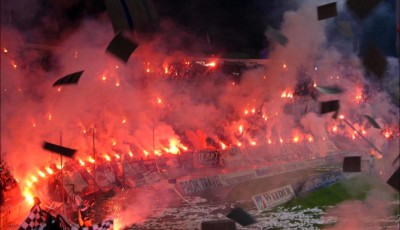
<point>125,104</point>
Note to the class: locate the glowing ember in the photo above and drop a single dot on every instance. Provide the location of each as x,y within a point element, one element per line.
<point>108,158</point>
<point>296,139</point>
<point>103,77</point>
<point>5,50</point>
<point>117,84</point>
<point>81,162</point>
<point>117,156</point>
<point>246,112</point>
<point>212,64</point>
<point>310,139</point>
<point>130,153</point>
<point>284,66</point>
<point>123,121</point>
<point>147,70</point>
<point>145,153</point>
<point>50,116</point>
<point>253,143</point>
<point>239,144</point>
<point>269,141</point>
<point>280,140</point>
<point>341,117</point>
<point>59,89</point>
<point>159,101</point>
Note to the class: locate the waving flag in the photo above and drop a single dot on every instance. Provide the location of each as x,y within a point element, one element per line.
<point>105,225</point>
<point>34,220</point>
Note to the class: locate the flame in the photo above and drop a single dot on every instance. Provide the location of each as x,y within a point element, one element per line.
<point>341,117</point>
<point>117,156</point>
<point>172,147</point>
<point>159,101</point>
<point>287,94</point>
<point>29,184</point>
<point>81,162</point>
<point>5,50</point>
<point>58,166</point>
<point>241,129</point>
<point>253,110</point>
<point>157,152</point>
<point>211,64</point>
<point>223,146</point>
<point>253,143</point>
<point>166,70</point>
<point>49,170</point>
<point>296,139</point>
<point>239,144</point>
<point>104,77</point>
<point>310,139</point>
<point>114,142</point>
<point>34,179</point>
<point>42,174</point>
<point>91,160</point>
<point>108,158</point>
<point>28,196</point>
<point>334,129</point>
<point>246,112</point>
<point>145,153</point>
<point>130,153</point>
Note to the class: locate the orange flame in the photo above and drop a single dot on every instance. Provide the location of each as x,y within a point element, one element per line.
<point>108,158</point>
<point>145,153</point>
<point>49,170</point>
<point>81,162</point>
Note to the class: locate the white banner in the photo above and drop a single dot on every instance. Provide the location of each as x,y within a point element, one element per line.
<point>273,198</point>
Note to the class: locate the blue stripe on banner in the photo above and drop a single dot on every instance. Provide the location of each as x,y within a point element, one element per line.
<point>129,17</point>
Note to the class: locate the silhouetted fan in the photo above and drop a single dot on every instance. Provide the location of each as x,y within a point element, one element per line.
<point>59,149</point>
<point>352,164</point>
<point>72,78</point>
<point>241,216</point>
<point>121,47</point>
<point>327,11</point>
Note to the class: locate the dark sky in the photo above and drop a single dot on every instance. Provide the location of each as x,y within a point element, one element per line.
<point>232,25</point>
